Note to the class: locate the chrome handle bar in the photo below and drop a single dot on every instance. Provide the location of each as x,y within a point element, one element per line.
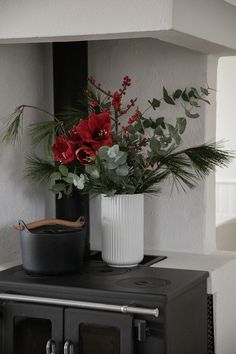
<point>82,304</point>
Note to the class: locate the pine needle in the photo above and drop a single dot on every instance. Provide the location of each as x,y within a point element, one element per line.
<point>38,170</point>
<point>189,166</point>
<point>43,132</point>
<point>13,126</point>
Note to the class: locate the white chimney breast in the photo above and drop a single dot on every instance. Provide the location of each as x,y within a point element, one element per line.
<point>204,25</point>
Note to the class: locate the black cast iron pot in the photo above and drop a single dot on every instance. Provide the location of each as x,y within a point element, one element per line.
<point>52,247</point>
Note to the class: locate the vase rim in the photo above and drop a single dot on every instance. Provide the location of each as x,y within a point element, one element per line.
<point>123,195</point>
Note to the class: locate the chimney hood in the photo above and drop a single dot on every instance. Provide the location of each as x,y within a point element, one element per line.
<point>208,26</point>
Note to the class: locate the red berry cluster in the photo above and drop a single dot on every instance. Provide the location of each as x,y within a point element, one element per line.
<point>126,81</point>
<point>133,118</point>
<point>116,100</point>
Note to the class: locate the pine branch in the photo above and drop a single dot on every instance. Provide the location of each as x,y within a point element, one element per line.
<point>44,132</point>
<point>13,126</point>
<point>38,170</point>
<point>71,116</point>
<point>189,166</point>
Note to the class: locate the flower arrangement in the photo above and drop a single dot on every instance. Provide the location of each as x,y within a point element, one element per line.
<point>113,147</point>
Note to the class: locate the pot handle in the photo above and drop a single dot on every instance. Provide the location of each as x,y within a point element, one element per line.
<point>76,224</point>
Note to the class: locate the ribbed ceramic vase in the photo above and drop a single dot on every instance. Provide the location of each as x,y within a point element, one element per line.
<point>122,229</point>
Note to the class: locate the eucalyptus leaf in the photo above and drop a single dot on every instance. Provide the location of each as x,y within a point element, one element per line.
<point>160,121</point>
<point>92,170</point>
<point>185,96</point>
<point>122,158</point>
<point>155,103</point>
<point>122,170</point>
<point>58,187</point>
<point>112,165</point>
<point>159,131</point>
<point>196,93</point>
<point>194,103</point>
<point>55,176</point>
<point>171,129</point>
<point>167,98</point>
<point>191,115</point>
<point>176,137</point>
<point>103,152</point>
<point>147,123</point>
<point>68,180</point>
<point>177,94</point>
<point>113,151</point>
<point>64,170</point>
<point>154,144</point>
<point>181,123</point>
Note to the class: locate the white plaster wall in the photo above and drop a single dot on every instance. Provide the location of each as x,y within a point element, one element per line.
<point>25,77</point>
<point>226,127</point>
<point>226,111</point>
<point>44,20</point>
<point>172,221</point>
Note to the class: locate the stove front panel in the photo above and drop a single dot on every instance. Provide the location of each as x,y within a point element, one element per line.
<point>27,328</point>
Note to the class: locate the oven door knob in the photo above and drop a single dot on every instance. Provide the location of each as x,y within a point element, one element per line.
<point>50,347</point>
<point>68,347</point>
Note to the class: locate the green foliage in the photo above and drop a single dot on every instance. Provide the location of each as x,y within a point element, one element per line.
<point>44,132</point>
<point>13,126</point>
<point>71,116</point>
<point>144,155</point>
<point>38,169</point>
<point>155,103</point>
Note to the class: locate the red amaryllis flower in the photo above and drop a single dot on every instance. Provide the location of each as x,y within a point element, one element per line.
<point>74,135</point>
<point>96,130</point>
<point>85,154</point>
<point>63,150</point>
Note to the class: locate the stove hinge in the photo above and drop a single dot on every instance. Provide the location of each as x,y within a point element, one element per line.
<point>141,330</point>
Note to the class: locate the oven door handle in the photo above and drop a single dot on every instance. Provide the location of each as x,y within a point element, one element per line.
<point>82,304</point>
<point>50,347</point>
<point>68,347</point>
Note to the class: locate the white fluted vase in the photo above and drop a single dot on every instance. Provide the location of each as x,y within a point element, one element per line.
<point>122,218</point>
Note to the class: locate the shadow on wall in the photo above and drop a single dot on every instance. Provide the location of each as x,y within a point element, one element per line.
<point>226,236</point>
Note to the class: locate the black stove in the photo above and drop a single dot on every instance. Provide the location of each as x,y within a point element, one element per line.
<point>104,280</point>
<point>140,310</point>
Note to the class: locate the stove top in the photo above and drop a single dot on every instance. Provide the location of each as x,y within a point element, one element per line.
<point>96,277</point>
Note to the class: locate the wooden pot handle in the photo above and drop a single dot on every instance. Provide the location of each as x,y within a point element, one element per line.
<point>77,224</point>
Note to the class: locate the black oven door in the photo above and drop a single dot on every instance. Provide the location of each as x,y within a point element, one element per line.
<point>29,329</point>
<point>90,332</point>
